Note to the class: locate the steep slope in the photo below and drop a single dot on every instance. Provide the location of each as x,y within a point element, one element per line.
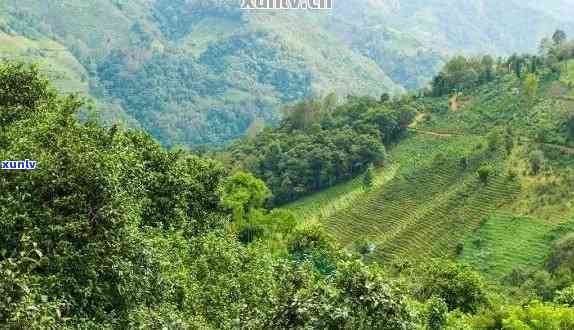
<point>431,202</point>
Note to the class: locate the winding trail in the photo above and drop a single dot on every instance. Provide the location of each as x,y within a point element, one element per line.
<point>419,117</point>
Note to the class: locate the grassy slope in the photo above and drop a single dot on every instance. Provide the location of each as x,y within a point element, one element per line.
<point>429,203</point>
<point>568,76</point>
<point>54,59</point>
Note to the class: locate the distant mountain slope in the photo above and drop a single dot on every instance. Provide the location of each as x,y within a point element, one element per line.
<point>192,72</point>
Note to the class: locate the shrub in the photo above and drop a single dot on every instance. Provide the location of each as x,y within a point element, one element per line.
<point>539,316</point>
<point>565,296</point>
<point>250,233</point>
<point>456,284</point>
<point>536,160</point>
<point>437,312</point>
<point>484,172</point>
<point>459,248</point>
<point>563,254</point>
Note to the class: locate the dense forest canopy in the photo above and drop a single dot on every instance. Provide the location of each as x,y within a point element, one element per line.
<point>319,144</point>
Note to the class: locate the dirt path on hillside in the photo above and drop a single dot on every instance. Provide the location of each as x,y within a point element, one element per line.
<point>421,116</point>
<point>418,118</point>
<point>564,149</point>
<point>435,134</point>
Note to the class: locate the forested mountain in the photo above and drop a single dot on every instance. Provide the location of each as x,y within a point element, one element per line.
<point>200,72</point>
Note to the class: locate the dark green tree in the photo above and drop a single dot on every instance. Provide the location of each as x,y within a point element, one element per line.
<point>368,178</point>
<point>559,37</point>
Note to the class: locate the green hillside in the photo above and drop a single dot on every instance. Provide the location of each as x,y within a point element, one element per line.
<point>454,209</point>
<point>200,72</point>
<point>432,201</point>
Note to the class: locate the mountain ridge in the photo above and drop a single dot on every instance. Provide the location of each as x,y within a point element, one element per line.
<point>246,65</point>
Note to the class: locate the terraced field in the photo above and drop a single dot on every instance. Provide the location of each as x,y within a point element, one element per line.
<point>568,76</point>
<point>429,201</point>
<point>505,241</point>
<point>431,204</point>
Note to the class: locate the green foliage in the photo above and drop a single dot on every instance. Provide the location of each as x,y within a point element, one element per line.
<point>484,172</point>
<point>23,91</point>
<point>235,285</point>
<point>111,231</point>
<point>457,285</point>
<point>460,74</point>
<point>538,316</point>
<point>368,178</point>
<point>531,85</point>
<point>437,312</point>
<point>559,37</point>
<point>358,297</point>
<point>317,146</point>
<point>243,193</point>
<point>562,256</point>
<point>565,296</point>
<point>536,159</point>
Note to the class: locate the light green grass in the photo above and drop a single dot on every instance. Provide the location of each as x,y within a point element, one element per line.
<point>323,204</point>
<point>415,151</point>
<point>54,60</point>
<point>567,76</point>
<point>505,242</point>
<point>423,207</point>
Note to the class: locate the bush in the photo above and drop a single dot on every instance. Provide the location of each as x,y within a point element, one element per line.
<point>484,173</point>
<point>539,316</point>
<point>437,312</point>
<point>250,233</point>
<point>456,284</point>
<point>563,254</point>
<point>565,296</point>
<point>536,160</point>
<point>459,248</point>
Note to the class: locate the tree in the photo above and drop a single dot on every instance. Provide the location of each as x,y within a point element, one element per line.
<point>536,160</point>
<point>539,316</point>
<point>242,193</point>
<point>437,312</point>
<point>484,172</point>
<point>487,63</point>
<point>562,256</point>
<point>559,37</point>
<point>517,66</point>
<point>455,284</point>
<point>23,90</point>
<point>494,138</point>
<point>368,178</point>
<point>330,103</point>
<point>385,97</point>
<point>545,46</point>
<point>255,128</point>
<point>80,255</point>
<point>570,124</point>
<point>531,85</point>
<point>565,296</point>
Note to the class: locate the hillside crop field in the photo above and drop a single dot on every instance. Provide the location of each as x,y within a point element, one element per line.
<point>430,201</point>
